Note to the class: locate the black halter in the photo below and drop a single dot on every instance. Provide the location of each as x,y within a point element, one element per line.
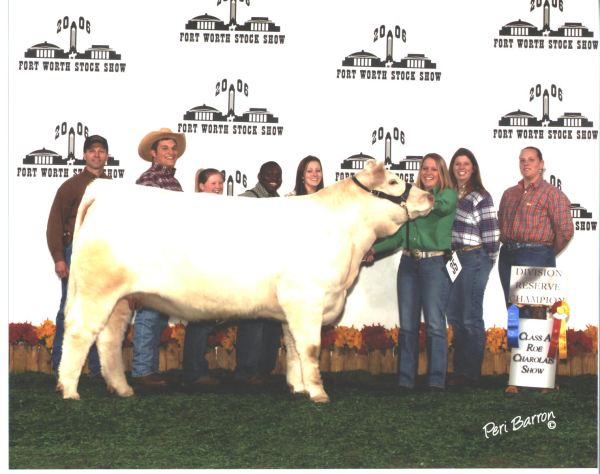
<point>380,194</point>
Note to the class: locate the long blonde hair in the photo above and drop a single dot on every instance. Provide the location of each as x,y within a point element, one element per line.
<point>445,181</point>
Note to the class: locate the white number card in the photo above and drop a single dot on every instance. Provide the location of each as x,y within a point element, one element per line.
<point>453,266</point>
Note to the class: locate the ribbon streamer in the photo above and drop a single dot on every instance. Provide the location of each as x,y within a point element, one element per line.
<point>512,333</point>
<point>556,326</point>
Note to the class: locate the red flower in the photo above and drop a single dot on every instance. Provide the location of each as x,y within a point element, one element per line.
<point>376,337</point>
<point>328,337</point>
<point>578,342</point>
<point>22,332</point>
<point>166,336</point>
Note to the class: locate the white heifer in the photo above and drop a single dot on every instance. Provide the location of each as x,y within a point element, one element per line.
<point>290,259</point>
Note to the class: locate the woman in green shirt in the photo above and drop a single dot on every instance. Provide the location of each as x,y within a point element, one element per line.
<point>423,282</point>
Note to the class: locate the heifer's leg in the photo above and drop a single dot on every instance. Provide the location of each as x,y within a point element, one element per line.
<point>303,307</point>
<point>293,367</point>
<point>83,323</point>
<point>109,344</point>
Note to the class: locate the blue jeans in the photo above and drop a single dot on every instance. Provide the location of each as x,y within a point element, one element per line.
<point>536,256</point>
<point>256,348</point>
<point>422,285</point>
<point>465,312</point>
<point>195,365</point>
<point>148,326</point>
<point>93,359</point>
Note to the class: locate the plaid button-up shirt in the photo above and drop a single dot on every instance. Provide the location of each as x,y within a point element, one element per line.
<point>475,223</point>
<point>540,213</point>
<point>159,176</point>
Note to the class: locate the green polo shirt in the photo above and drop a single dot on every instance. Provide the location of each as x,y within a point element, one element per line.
<point>432,232</point>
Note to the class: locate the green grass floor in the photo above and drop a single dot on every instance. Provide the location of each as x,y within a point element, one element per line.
<point>368,424</point>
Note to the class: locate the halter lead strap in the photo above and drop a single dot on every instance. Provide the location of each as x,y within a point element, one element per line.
<point>380,194</point>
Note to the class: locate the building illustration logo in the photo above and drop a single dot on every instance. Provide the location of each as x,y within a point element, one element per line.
<point>46,163</point>
<point>521,34</point>
<point>206,119</point>
<point>49,57</point>
<point>582,218</point>
<point>406,168</point>
<point>365,65</point>
<point>210,29</point>
<point>522,124</point>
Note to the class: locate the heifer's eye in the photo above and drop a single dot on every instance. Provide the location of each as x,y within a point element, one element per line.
<point>392,182</point>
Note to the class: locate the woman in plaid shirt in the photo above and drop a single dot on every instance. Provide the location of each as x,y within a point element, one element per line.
<point>475,239</point>
<point>534,218</point>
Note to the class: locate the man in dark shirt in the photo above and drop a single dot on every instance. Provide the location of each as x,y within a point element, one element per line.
<point>59,234</point>
<point>258,341</point>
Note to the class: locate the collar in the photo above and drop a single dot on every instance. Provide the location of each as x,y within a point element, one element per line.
<point>401,200</point>
<point>168,170</point>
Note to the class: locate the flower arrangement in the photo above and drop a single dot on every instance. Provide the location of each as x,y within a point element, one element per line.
<point>223,336</point>
<point>328,337</point>
<point>348,339</point>
<point>496,340</point>
<point>45,333</point>
<point>376,337</point>
<point>592,332</point>
<point>22,333</point>
<point>579,342</point>
<point>178,333</point>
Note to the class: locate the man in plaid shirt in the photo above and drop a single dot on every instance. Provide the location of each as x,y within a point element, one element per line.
<point>534,219</point>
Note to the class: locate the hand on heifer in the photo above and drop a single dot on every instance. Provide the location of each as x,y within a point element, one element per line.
<point>369,257</point>
<point>61,269</point>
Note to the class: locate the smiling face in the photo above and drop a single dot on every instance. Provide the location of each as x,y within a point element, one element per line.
<point>270,178</point>
<point>462,169</point>
<point>429,174</point>
<point>530,165</point>
<point>95,158</point>
<point>313,176</point>
<point>166,153</point>
<point>214,184</point>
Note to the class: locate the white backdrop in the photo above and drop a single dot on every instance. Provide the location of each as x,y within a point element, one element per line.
<point>154,71</point>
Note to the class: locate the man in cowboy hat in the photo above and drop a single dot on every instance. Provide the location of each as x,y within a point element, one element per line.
<point>59,234</point>
<point>163,148</point>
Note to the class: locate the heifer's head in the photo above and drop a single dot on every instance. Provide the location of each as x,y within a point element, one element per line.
<point>410,201</point>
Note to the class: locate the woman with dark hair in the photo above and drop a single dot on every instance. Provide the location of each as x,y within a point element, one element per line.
<point>309,177</point>
<point>195,366</point>
<point>423,282</point>
<point>476,240</point>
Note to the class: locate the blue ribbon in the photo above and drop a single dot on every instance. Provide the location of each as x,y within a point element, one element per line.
<point>512,333</point>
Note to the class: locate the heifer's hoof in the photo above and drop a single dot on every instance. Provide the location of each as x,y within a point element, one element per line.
<point>70,396</point>
<point>125,392</point>
<point>323,398</point>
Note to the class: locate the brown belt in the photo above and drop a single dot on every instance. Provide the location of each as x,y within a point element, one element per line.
<point>419,254</point>
<point>468,248</point>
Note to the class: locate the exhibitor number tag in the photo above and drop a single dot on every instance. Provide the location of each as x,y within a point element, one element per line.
<point>453,266</point>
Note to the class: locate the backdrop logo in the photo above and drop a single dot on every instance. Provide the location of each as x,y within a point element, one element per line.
<point>210,29</point>
<point>406,168</point>
<point>46,163</point>
<point>524,125</point>
<point>49,57</point>
<point>236,182</point>
<point>210,120</point>
<point>365,65</point>
<point>521,34</point>
<point>582,218</point>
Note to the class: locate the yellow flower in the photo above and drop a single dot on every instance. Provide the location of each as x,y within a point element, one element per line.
<point>229,339</point>
<point>394,334</point>
<point>592,332</point>
<point>496,340</point>
<point>178,333</point>
<point>45,332</point>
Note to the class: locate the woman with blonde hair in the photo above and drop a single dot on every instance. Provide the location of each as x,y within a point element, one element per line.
<point>423,283</point>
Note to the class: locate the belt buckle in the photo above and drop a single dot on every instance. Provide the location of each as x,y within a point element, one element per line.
<point>417,254</point>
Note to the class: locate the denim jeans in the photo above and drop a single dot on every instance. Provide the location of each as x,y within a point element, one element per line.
<point>148,326</point>
<point>538,256</point>
<point>93,359</point>
<point>257,345</point>
<point>465,312</point>
<point>195,365</point>
<point>422,285</point>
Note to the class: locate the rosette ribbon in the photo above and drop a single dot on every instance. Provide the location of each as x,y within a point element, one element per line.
<point>558,340</point>
<point>512,333</point>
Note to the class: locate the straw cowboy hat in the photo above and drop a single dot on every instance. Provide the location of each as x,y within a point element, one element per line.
<point>164,133</point>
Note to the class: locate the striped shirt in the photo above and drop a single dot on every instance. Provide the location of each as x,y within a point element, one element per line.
<point>476,223</point>
<point>538,214</point>
<point>159,176</point>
